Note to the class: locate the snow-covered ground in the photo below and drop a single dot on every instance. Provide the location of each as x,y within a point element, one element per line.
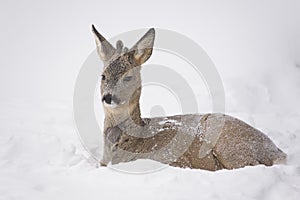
<point>255,46</point>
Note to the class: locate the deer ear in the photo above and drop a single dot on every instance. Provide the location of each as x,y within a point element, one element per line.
<point>104,48</point>
<point>143,48</point>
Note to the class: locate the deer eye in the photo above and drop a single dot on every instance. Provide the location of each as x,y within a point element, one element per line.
<point>102,77</point>
<point>127,78</point>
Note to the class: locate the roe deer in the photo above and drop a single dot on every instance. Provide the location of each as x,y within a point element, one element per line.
<point>210,141</point>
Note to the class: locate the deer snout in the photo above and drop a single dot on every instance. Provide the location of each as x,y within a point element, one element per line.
<point>107,98</point>
<point>110,99</point>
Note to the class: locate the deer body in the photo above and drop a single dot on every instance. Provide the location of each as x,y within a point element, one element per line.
<point>210,141</point>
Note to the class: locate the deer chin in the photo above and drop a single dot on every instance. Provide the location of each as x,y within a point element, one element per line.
<point>113,104</point>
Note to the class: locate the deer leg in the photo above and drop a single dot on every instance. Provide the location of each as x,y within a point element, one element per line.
<point>218,163</point>
<point>112,136</point>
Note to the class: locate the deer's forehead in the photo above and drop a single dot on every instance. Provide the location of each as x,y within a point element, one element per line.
<point>118,67</point>
<point>115,71</point>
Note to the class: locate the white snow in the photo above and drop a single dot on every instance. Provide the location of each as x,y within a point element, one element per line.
<point>172,121</point>
<point>254,44</point>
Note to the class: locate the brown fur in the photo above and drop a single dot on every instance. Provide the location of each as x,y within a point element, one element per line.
<point>211,141</point>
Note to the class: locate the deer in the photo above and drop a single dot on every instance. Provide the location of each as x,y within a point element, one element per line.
<point>211,141</point>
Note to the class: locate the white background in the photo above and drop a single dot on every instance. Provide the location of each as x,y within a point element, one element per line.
<point>255,46</point>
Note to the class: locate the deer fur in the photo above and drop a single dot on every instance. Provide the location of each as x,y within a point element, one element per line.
<point>210,141</point>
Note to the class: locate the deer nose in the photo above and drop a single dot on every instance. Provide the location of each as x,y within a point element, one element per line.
<point>107,98</point>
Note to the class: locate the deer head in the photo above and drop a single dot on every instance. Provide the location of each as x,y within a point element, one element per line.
<point>121,78</point>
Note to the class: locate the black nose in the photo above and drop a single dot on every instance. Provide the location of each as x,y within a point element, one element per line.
<point>107,98</point>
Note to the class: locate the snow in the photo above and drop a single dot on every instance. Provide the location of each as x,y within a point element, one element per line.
<point>256,49</point>
<point>172,121</point>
